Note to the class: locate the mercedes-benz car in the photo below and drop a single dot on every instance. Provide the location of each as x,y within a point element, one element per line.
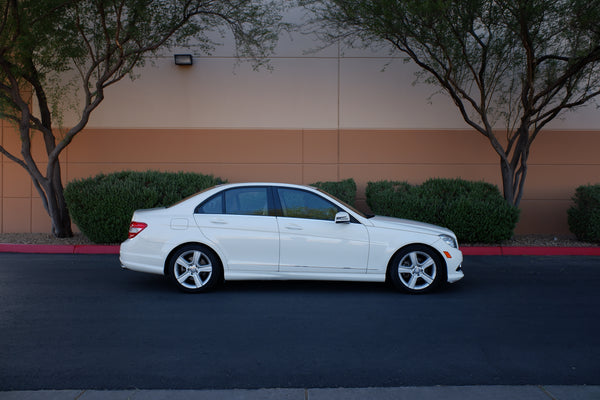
<point>272,231</point>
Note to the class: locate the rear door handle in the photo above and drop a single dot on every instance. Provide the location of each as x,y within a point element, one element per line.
<point>294,227</point>
<point>218,221</point>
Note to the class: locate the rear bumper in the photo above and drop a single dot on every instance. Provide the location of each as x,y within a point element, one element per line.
<point>134,258</point>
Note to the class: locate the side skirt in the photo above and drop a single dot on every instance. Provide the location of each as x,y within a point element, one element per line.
<point>283,276</point>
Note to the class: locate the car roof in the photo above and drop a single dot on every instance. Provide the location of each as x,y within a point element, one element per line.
<point>242,184</point>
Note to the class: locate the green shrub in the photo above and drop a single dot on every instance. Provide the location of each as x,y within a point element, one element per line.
<point>390,198</point>
<point>584,215</point>
<point>102,206</point>
<point>475,211</point>
<point>344,190</point>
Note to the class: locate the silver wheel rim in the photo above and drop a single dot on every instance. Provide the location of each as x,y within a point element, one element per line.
<point>193,269</point>
<point>417,270</point>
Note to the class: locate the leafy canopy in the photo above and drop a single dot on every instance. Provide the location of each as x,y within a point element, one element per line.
<point>98,42</point>
<point>103,40</point>
<point>486,51</point>
<point>507,65</point>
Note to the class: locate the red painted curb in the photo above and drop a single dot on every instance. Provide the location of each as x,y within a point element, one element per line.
<point>530,251</point>
<point>481,251</point>
<point>57,249</point>
<point>96,249</point>
<point>42,248</point>
<point>551,251</point>
<point>467,250</point>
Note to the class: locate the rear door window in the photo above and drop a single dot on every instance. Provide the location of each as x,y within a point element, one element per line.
<point>237,201</point>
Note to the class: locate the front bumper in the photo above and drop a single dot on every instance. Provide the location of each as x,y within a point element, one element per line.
<point>454,259</point>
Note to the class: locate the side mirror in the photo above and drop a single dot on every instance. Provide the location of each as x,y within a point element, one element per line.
<point>342,218</point>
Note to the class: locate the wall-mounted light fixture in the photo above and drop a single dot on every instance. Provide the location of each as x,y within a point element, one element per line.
<point>183,59</point>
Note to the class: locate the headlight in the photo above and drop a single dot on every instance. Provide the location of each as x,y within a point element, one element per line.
<point>450,241</point>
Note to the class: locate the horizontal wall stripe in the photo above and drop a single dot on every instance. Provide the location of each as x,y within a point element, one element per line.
<point>560,161</point>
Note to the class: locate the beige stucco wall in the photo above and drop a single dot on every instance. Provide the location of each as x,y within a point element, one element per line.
<point>316,92</point>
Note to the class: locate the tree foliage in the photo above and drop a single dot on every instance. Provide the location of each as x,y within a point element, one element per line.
<point>101,42</point>
<point>509,66</point>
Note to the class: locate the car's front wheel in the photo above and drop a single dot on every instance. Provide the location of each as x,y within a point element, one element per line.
<point>417,269</point>
<point>195,268</point>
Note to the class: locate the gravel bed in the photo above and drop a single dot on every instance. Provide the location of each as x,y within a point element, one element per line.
<point>519,240</point>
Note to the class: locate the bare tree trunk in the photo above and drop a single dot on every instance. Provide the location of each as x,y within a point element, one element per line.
<point>61,219</point>
<point>59,213</point>
<point>514,174</point>
<point>51,193</point>
<point>507,181</point>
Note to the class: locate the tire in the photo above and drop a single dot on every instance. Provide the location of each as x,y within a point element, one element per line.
<point>195,268</point>
<point>417,269</point>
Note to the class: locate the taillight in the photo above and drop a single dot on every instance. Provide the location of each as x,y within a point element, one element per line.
<point>135,228</point>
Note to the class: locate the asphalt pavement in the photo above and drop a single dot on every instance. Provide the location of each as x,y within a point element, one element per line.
<point>515,328</point>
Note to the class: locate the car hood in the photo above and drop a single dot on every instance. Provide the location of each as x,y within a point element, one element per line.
<point>408,225</point>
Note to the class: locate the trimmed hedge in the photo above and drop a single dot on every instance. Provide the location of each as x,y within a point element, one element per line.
<point>102,206</point>
<point>584,215</point>
<point>475,211</point>
<point>344,190</point>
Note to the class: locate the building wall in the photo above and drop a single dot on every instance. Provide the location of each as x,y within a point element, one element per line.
<point>309,155</point>
<point>320,116</point>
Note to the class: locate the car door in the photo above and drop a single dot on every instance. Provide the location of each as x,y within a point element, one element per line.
<point>237,222</point>
<point>311,241</point>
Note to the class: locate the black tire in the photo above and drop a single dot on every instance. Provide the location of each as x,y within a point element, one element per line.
<point>195,268</point>
<point>417,269</point>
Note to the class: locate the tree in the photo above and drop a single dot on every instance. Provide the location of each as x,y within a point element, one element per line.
<point>101,41</point>
<point>509,66</point>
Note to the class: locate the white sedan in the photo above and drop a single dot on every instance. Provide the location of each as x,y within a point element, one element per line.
<point>269,231</point>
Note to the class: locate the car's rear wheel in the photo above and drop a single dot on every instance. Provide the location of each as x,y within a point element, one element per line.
<point>417,269</point>
<point>195,268</point>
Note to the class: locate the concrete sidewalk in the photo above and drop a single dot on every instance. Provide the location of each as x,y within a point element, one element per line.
<point>527,392</point>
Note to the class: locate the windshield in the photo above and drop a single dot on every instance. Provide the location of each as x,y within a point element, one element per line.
<point>346,205</point>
